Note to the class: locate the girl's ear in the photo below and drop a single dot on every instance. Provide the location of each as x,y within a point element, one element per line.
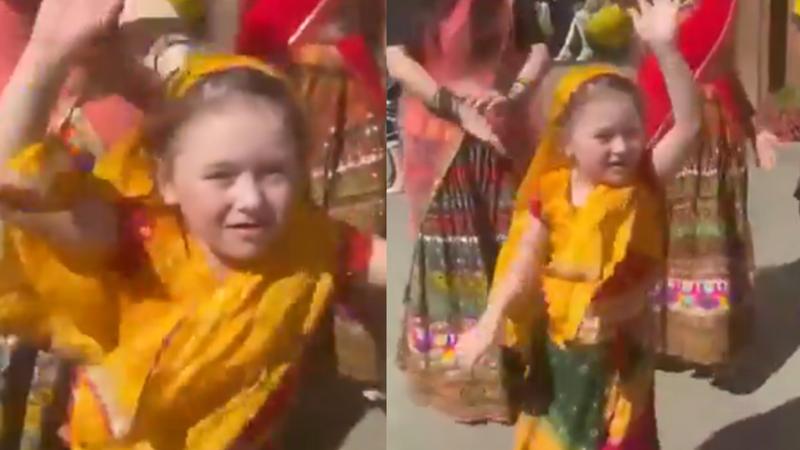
<point>564,140</point>
<point>164,182</point>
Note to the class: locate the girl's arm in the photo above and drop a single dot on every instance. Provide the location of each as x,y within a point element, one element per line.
<point>657,25</point>
<point>26,104</point>
<point>85,228</point>
<point>33,89</point>
<point>521,277</point>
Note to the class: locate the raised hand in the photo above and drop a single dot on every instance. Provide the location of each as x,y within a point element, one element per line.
<point>70,26</point>
<point>656,21</point>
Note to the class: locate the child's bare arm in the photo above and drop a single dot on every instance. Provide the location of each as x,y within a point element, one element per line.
<point>522,275</point>
<point>670,153</point>
<point>34,87</point>
<point>25,107</point>
<point>657,25</point>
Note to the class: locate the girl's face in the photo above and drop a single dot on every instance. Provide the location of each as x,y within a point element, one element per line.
<point>234,174</point>
<point>605,137</point>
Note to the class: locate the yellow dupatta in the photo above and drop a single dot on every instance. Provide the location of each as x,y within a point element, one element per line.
<point>175,358</point>
<point>586,243</point>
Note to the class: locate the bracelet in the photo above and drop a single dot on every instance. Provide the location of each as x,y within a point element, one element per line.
<point>445,104</point>
<point>519,87</point>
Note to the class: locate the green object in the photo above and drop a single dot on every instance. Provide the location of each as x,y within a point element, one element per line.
<point>610,28</point>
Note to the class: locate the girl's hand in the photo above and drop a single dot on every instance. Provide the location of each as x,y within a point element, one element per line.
<point>68,27</point>
<point>656,23</point>
<point>477,341</point>
<point>766,144</point>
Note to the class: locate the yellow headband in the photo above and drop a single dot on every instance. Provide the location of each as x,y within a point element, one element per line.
<point>571,81</point>
<point>548,155</point>
<point>200,66</point>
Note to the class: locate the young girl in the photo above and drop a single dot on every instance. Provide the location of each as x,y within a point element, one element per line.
<point>588,227</point>
<point>191,309</point>
<point>704,309</point>
<point>459,185</point>
<point>327,48</point>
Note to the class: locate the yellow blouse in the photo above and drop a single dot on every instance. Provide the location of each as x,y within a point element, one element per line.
<point>174,357</point>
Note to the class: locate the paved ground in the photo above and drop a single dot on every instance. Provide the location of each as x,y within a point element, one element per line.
<point>764,414</point>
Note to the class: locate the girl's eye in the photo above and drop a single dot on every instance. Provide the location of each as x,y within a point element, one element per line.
<point>604,137</point>
<point>218,176</point>
<point>272,177</point>
<point>221,178</point>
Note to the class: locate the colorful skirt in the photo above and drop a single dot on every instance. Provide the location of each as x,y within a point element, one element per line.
<point>454,259</point>
<point>704,305</point>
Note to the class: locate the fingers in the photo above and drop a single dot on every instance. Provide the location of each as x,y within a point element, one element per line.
<point>636,17</point>
<point>495,102</point>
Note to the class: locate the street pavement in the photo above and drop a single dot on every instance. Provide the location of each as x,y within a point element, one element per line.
<point>762,414</point>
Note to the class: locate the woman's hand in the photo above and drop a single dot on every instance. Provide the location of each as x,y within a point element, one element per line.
<point>487,102</point>
<point>476,342</point>
<point>766,145</point>
<point>69,27</point>
<point>656,22</point>
<point>476,124</point>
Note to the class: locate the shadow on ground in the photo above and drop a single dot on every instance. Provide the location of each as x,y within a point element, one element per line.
<point>774,430</point>
<point>777,330</point>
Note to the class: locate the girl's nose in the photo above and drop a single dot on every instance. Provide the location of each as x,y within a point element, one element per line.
<point>247,196</point>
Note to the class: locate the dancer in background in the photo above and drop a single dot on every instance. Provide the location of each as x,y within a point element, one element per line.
<point>585,248</point>
<point>704,309</point>
<point>464,68</point>
<point>167,260</point>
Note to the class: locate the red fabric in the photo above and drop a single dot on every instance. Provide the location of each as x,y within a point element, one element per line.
<point>135,228</point>
<point>358,250</point>
<point>271,412</point>
<point>112,118</point>
<point>536,208</point>
<point>700,40</point>
<point>267,26</point>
